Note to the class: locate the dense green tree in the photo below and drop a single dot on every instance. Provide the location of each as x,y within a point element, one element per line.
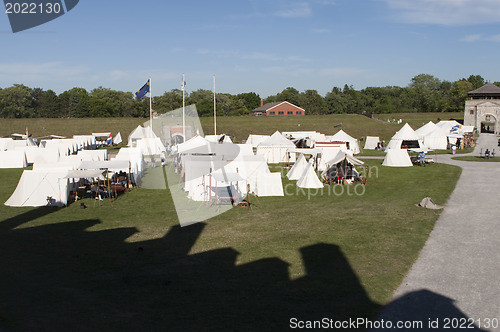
<point>250,100</point>
<point>204,101</point>
<point>477,81</point>
<point>74,103</point>
<point>424,93</point>
<point>290,95</point>
<point>48,105</point>
<point>169,101</point>
<point>16,102</point>
<point>312,102</point>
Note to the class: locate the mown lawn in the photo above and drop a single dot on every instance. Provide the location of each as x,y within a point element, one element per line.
<point>239,127</point>
<point>127,265</point>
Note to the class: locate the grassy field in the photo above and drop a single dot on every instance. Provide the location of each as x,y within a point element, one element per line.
<point>239,127</point>
<point>127,265</point>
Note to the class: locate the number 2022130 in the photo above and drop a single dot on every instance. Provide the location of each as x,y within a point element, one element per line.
<point>32,8</point>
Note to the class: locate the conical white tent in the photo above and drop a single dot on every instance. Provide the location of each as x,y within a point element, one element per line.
<point>425,130</point>
<point>342,136</point>
<point>405,137</point>
<point>309,179</point>
<point>297,169</point>
<point>397,158</point>
<point>140,133</point>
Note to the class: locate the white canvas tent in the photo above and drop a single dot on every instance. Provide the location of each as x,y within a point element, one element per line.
<point>371,142</point>
<point>342,136</point>
<point>254,140</point>
<point>139,133</point>
<point>436,139</point>
<point>275,149</point>
<point>397,158</point>
<point>425,129</point>
<point>269,185</point>
<point>432,136</point>
<point>40,189</point>
<point>150,146</point>
<point>345,162</point>
<point>405,137</point>
<point>309,179</point>
<point>13,159</point>
<point>192,143</point>
<point>297,169</point>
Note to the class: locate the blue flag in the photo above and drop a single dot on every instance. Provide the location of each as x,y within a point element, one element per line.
<point>142,91</point>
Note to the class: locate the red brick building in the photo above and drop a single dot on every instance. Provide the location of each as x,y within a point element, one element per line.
<point>278,109</point>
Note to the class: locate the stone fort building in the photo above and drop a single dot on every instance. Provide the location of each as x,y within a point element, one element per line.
<point>482,109</point>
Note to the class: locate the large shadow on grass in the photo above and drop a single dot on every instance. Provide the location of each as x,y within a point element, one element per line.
<point>63,277</point>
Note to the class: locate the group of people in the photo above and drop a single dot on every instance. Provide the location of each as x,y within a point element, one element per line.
<point>380,146</point>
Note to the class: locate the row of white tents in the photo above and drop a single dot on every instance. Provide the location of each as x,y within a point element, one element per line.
<point>59,164</point>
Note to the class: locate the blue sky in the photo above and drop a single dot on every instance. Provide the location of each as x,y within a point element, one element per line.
<point>262,46</point>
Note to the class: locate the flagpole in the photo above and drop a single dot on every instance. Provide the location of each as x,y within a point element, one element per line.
<point>150,108</point>
<point>183,111</point>
<point>215,114</point>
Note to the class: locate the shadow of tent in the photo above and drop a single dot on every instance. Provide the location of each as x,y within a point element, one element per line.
<point>426,306</point>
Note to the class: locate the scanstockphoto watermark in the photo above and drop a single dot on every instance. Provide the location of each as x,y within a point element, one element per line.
<point>27,14</point>
<point>354,323</point>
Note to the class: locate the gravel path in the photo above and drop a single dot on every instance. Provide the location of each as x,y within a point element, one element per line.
<point>456,278</point>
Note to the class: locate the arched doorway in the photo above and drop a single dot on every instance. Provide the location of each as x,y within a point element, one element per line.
<point>489,124</point>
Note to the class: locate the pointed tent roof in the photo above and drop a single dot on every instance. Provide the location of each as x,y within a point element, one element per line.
<point>309,179</point>
<point>297,169</point>
<point>192,143</point>
<point>425,129</point>
<point>447,125</point>
<point>277,139</point>
<point>406,133</point>
<point>342,136</point>
<point>341,155</point>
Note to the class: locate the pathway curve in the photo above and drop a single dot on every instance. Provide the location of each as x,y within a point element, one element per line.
<point>458,271</point>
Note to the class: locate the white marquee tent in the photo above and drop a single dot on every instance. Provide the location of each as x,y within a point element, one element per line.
<point>342,136</point>
<point>275,149</point>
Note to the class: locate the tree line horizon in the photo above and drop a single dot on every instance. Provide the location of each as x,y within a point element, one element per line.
<point>424,93</point>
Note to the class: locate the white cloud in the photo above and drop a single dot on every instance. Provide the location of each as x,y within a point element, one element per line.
<point>472,38</point>
<point>23,71</point>
<point>298,9</point>
<point>481,38</point>
<point>446,12</point>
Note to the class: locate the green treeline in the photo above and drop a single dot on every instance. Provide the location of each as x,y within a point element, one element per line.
<point>425,93</point>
